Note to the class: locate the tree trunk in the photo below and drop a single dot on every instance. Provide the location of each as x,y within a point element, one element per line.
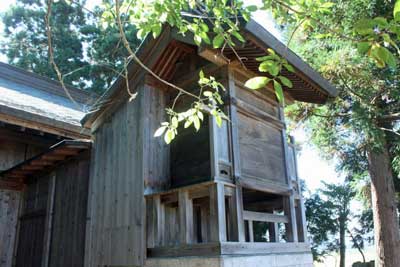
<point>342,241</point>
<point>386,224</point>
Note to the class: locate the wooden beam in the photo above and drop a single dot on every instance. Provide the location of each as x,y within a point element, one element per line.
<point>40,163</point>
<point>11,185</point>
<point>273,230</point>
<point>291,225</point>
<point>251,230</point>
<point>301,221</point>
<point>212,55</point>
<point>186,231</point>
<point>32,168</point>
<point>160,227</point>
<point>264,217</point>
<point>53,157</point>
<point>66,152</point>
<point>217,213</point>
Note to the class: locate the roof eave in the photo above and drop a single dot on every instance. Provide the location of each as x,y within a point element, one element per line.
<point>260,33</point>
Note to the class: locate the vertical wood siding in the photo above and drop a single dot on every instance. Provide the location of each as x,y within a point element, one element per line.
<point>9,206</point>
<point>115,230</point>
<point>69,214</point>
<point>12,153</point>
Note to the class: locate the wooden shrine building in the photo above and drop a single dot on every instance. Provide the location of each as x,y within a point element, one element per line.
<point>224,196</point>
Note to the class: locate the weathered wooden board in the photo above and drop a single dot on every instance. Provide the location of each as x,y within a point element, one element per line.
<point>261,150</point>
<point>9,207</point>
<point>157,177</point>
<point>117,213</point>
<point>32,223</point>
<point>69,214</point>
<point>12,153</point>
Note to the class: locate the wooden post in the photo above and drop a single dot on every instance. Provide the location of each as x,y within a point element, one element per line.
<point>236,214</point>
<point>291,226</point>
<point>236,159</point>
<point>301,221</point>
<point>185,217</point>
<point>205,219</point>
<point>160,233</point>
<point>49,220</point>
<point>273,229</point>
<point>217,213</point>
<point>214,148</point>
<point>251,231</point>
<point>151,223</point>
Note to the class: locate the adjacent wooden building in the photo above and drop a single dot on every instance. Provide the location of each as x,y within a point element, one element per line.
<point>35,114</point>
<point>225,196</point>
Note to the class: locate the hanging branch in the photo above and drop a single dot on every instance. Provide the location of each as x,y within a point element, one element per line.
<point>51,54</point>
<point>137,60</point>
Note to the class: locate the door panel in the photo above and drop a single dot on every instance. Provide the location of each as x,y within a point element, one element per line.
<point>32,224</point>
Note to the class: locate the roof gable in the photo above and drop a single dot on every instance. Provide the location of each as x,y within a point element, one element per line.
<point>161,53</point>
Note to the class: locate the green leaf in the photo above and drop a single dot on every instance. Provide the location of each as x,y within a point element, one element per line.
<point>187,123</point>
<point>383,56</point>
<point>204,37</point>
<point>200,115</point>
<point>201,74</point>
<point>285,81</point>
<point>196,122</point>
<point>218,41</point>
<point>252,8</point>
<point>204,27</point>
<point>365,26</point>
<point>363,47</point>
<point>169,136</point>
<point>238,36</point>
<point>382,22</point>
<point>174,122</point>
<point>278,91</point>
<point>257,82</point>
<point>218,120</point>
<point>289,67</point>
<point>207,93</point>
<point>160,131</point>
<point>273,69</point>
<point>396,11</point>
<point>197,39</point>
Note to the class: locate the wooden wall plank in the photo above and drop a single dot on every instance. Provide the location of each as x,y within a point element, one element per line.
<point>118,209</point>
<point>186,232</point>
<point>217,213</point>
<point>9,209</point>
<point>67,245</point>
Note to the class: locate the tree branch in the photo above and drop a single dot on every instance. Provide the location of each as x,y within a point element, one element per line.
<point>51,54</point>
<point>133,56</point>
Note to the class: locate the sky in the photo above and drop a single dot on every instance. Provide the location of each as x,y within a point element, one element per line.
<point>311,167</point>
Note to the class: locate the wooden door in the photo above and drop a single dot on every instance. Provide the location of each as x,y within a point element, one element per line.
<point>32,224</point>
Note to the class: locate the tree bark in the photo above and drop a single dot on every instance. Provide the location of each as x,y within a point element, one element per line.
<point>386,224</point>
<point>342,241</point>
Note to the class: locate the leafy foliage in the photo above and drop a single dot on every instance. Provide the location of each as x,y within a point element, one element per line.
<point>26,44</point>
<point>328,213</point>
<point>89,56</point>
<point>209,99</point>
<point>273,65</point>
